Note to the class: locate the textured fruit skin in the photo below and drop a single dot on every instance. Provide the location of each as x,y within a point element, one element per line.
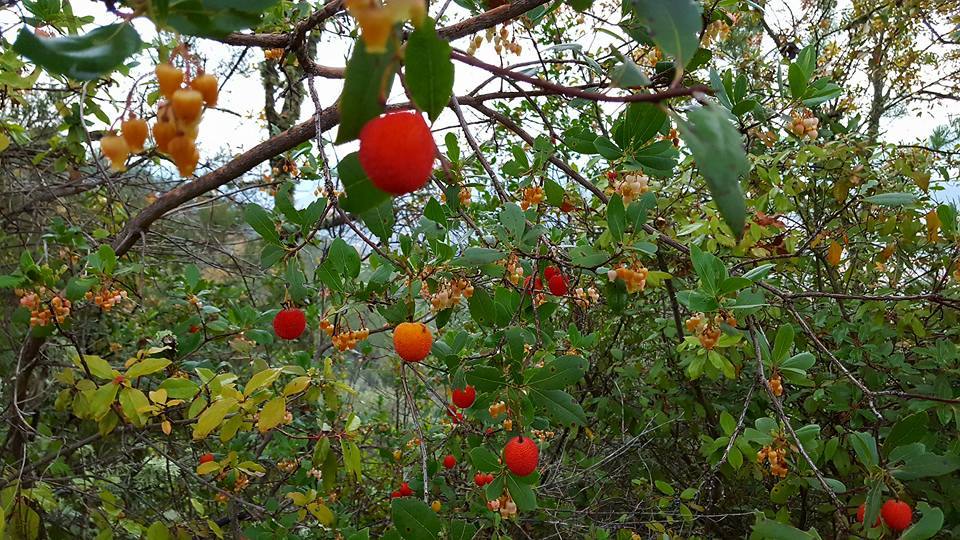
<point>163,133</point>
<point>206,458</point>
<point>464,397</point>
<point>558,285</point>
<point>289,323</point>
<point>116,150</point>
<point>549,272</point>
<point>478,479</point>
<point>449,462</point>
<point>405,490</point>
<point>169,78</point>
<point>861,512</point>
<point>187,104</point>
<point>412,341</point>
<point>134,132</point>
<point>537,285</point>
<point>207,85</point>
<point>397,151</point>
<point>521,455</point>
<point>897,514</point>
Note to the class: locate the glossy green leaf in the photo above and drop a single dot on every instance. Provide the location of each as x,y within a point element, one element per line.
<point>429,69</point>
<point>369,78</point>
<point>87,57</point>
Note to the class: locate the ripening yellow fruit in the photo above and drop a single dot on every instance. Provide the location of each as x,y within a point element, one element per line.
<point>116,150</point>
<point>435,506</point>
<point>208,86</point>
<point>187,105</point>
<point>134,132</point>
<point>184,154</point>
<point>834,252</point>
<point>169,79</point>
<point>163,133</point>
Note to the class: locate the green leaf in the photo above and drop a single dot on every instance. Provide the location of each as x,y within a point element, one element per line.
<point>639,123</point>
<point>891,199</point>
<point>627,74</point>
<point>674,26</point>
<point>178,388</point>
<point>521,493</point>
<point>709,268</point>
<point>146,367</point>
<point>513,220</point>
<point>782,343</point>
<point>929,525</point>
<point>283,201</point>
<point>926,465</point>
<point>616,217</point>
<point>380,220</point>
<point>213,18</point>
<point>768,529</point>
<point>77,287</point>
<point>260,379</point>
<point>485,378</point>
<point>212,417</point>
<point>87,57</point>
<point>351,458</point>
<point>484,460</point>
<point>429,69</point>
<point>361,194</point>
<point>559,374</point>
<point>727,423</point>
<point>102,399</point>
<point>461,530</point>
<point>262,222</point>
<point>476,256</point>
<point>718,150</point>
<point>801,361</point>
<point>414,519</point>
<point>158,531</point>
<point>559,405</point>
<point>367,85</point>
<point>99,367</point>
<point>866,448</point>
<point>131,400</point>
<point>907,430</point>
<point>800,72</point>
<point>272,414</point>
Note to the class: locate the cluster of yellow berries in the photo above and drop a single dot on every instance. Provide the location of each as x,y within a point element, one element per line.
<point>288,465</point>
<point>542,435</point>
<point>708,332</point>
<point>501,42</point>
<point>178,118</point>
<point>504,505</point>
<point>776,385</point>
<point>631,186</point>
<point>584,298</point>
<point>648,57</point>
<point>117,148</point>
<point>273,54</point>
<point>635,278</point>
<point>776,458</point>
<point>532,196</point>
<point>514,269</point>
<point>508,425</point>
<point>41,315</point>
<point>716,31</point>
<point>497,409</point>
<point>804,125</point>
<point>449,294</point>
<point>106,297</point>
<point>349,339</point>
<point>315,473</point>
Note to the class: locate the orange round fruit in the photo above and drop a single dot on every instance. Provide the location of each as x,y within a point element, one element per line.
<point>187,105</point>
<point>521,455</point>
<point>116,150</point>
<point>134,132</point>
<point>169,79</point>
<point>163,133</point>
<point>412,341</point>
<point>184,153</point>
<point>397,152</point>
<point>208,86</point>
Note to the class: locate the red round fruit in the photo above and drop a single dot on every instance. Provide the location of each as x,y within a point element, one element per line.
<point>537,285</point>
<point>289,323</point>
<point>558,285</point>
<point>449,462</point>
<point>194,329</point>
<point>395,494</point>
<point>397,152</point>
<point>487,478</point>
<point>861,512</point>
<point>405,490</point>
<point>549,272</point>
<point>521,455</point>
<point>206,458</point>
<point>464,397</point>
<point>897,514</point>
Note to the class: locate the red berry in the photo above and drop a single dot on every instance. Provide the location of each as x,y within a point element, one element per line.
<point>395,494</point>
<point>558,285</point>
<point>611,175</point>
<point>397,152</point>
<point>489,431</point>
<point>464,397</point>
<point>487,478</point>
<point>206,458</point>
<point>861,512</point>
<point>289,323</point>
<point>566,207</point>
<point>405,490</point>
<point>449,462</point>
<point>455,415</point>
<point>537,285</point>
<point>118,379</point>
<point>897,514</point>
<point>479,479</point>
<point>521,455</point>
<point>549,272</point>
<point>194,329</point>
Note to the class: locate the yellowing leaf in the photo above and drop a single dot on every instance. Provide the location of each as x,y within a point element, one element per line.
<point>261,379</point>
<point>298,498</point>
<point>158,396</point>
<point>166,427</point>
<point>272,414</point>
<point>321,512</point>
<point>146,367</point>
<point>4,142</point>
<point>132,401</point>
<point>98,366</point>
<point>212,417</point>
<point>208,467</point>
<point>296,386</point>
<point>834,252</point>
<point>102,399</point>
<point>933,226</point>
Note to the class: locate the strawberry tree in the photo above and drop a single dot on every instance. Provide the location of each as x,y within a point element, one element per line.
<point>490,269</point>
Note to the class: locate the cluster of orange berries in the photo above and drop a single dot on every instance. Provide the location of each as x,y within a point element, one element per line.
<point>106,297</point>
<point>41,315</point>
<point>273,54</point>
<point>463,196</point>
<point>497,409</point>
<point>776,458</point>
<point>514,269</point>
<point>542,434</point>
<point>508,425</point>
<point>585,297</point>
<point>716,31</point>
<point>349,339</point>
<point>117,148</point>
<point>178,119</point>
<point>504,505</point>
<point>708,332</point>
<point>804,125</point>
<point>449,294</point>
<point>635,278</point>
<point>532,196</point>
<point>288,465</point>
<point>776,385</point>
<point>501,42</point>
<point>673,136</point>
